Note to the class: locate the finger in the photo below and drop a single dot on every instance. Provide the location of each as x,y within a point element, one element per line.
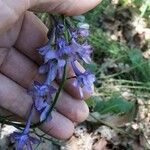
<point>27,43</point>
<point>8,38</point>
<point>68,7</point>
<point>12,10</point>
<point>8,115</point>
<point>33,35</point>
<point>76,111</point>
<point>15,99</point>
<point>23,71</point>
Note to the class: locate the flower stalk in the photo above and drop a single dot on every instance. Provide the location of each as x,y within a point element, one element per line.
<point>66,46</point>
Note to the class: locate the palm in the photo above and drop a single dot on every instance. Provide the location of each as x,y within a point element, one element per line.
<point>19,68</point>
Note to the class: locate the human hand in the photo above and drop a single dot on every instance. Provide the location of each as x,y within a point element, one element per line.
<point>21,33</point>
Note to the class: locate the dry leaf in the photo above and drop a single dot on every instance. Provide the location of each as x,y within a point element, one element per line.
<point>100,145</point>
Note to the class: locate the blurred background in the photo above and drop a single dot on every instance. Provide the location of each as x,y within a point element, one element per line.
<point>120,107</point>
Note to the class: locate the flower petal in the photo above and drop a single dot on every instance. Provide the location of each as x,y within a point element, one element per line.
<point>40,104</point>
<point>44,113</point>
<point>50,55</point>
<point>21,143</point>
<point>61,63</point>
<point>28,145</point>
<point>52,72</point>
<point>44,50</point>
<point>43,69</point>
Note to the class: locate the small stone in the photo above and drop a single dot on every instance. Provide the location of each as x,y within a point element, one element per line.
<point>135,126</point>
<point>80,18</point>
<point>140,102</point>
<point>84,26</point>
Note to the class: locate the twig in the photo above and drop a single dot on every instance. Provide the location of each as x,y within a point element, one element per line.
<point>111,126</point>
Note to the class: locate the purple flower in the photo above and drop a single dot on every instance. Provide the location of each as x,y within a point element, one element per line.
<point>44,113</point>
<point>42,96</point>
<point>64,52</point>
<point>43,91</point>
<point>44,50</point>
<point>82,51</point>
<point>61,53</point>
<point>52,68</point>
<point>84,80</point>
<point>80,33</point>
<point>83,32</point>
<point>24,139</point>
<point>47,52</point>
<point>55,60</point>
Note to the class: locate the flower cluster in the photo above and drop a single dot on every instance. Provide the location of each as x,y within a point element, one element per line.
<point>68,52</point>
<point>66,46</point>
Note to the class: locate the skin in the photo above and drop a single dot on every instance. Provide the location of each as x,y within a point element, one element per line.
<point>21,33</point>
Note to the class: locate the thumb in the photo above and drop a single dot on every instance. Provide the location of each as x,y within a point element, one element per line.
<point>67,7</point>
<point>11,10</point>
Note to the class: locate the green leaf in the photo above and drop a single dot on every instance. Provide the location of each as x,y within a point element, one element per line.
<point>93,67</point>
<point>141,71</point>
<point>135,56</point>
<point>115,105</point>
<point>91,102</point>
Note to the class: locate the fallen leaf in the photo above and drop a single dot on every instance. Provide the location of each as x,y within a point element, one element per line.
<point>100,145</point>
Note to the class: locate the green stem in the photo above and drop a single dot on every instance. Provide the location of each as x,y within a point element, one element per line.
<point>7,122</point>
<point>127,81</point>
<point>122,72</point>
<point>4,120</point>
<point>134,87</point>
<point>66,34</point>
<point>129,87</point>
